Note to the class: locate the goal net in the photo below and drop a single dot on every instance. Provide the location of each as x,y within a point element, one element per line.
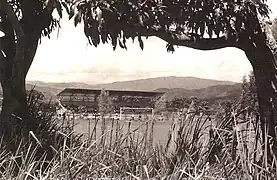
<point>128,113</point>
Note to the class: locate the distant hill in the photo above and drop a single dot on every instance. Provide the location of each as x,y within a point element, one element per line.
<point>173,86</point>
<point>61,85</point>
<point>50,90</point>
<point>171,82</point>
<point>209,93</point>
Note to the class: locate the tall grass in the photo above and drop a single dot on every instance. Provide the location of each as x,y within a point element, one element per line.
<point>206,146</point>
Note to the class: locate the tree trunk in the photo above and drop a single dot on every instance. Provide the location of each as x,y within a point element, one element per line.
<point>263,62</point>
<point>19,55</point>
<point>11,70</point>
<point>14,85</point>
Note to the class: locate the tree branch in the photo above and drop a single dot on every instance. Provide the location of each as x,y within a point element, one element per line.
<point>19,55</point>
<point>189,40</point>
<point>197,42</point>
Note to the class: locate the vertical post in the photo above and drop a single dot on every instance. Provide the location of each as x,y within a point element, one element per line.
<point>151,138</point>
<point>120,113</point>
<point>174,133</point>
<point>95,125</point>
<point>146,133</point>
<point>63,123</point>
<point>111,135</point>
<point>73,122</point>
<point>128,139</point>
<point>89,128</point>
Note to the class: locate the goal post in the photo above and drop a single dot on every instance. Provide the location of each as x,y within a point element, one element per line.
<point>135,111</point>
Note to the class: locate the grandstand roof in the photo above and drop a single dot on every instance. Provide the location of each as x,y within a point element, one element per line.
<point>111,92</point>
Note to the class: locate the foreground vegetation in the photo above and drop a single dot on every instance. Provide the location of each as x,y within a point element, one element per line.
<point>210,146</point>
<point>203,143</point>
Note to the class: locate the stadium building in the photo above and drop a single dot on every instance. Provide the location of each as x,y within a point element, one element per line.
<point>71,97</point>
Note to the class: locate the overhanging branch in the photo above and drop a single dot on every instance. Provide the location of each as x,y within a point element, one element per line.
<point>189,40</point>
<point>197,42</point>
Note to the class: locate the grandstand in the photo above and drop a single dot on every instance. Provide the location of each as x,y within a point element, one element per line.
<point>71,97</point>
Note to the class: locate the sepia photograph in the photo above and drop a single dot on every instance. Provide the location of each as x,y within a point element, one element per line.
<point>138,89</point>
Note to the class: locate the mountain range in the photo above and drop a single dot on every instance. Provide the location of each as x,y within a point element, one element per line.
<point>174,87</point>
<point>169,82</point>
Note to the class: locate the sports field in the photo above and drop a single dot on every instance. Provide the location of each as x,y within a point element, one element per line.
<point>134,125</point>
<point>160,129</point>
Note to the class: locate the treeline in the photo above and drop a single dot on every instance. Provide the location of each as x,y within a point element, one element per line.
<point>247,100</point>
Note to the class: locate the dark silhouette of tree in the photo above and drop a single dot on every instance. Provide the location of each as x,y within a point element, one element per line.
<point>23,22</point>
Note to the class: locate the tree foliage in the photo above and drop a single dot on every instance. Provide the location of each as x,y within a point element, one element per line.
<point>105,104</point>
<point>161,104</point>
<point>36,15</point>
<point>249,97</point>
<point>171,20</point>
<point>274,28</point>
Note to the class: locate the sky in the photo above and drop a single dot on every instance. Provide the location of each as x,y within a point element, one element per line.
<point>67,57</point>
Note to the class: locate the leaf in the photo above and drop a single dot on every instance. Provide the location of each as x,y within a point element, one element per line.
<point>59,9</point>
<point>124,42</point>
<point>114,40</point>
<point>86,31</point>
<point>71,12</point>
<point>196,27</point>
<point>140,42</point>
<point>140,20</point>
<point>238,24</point>
<point>170,48</point>
<point>124,39</point>
<point>217,29</point>
<point>202,28</point>
<point>121,45</point>
<point>96,40</point>
<point>66,7</point>
<point>77,18</point>
<point>264,10</point>
<point>104,37</point>
<point>133,38</point>
<point>210,31</point>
